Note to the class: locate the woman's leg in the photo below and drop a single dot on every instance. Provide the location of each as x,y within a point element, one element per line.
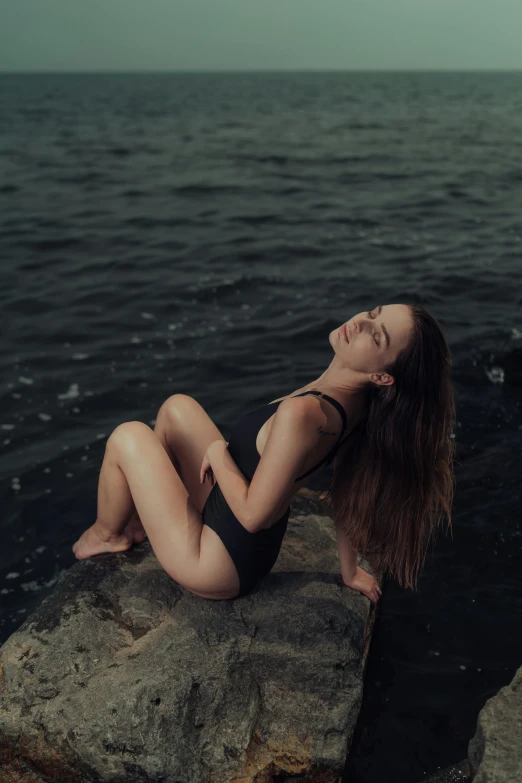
<point>137,470</point>
<point>109,532</point>
<point>185,431</point>
<point>163,429</point>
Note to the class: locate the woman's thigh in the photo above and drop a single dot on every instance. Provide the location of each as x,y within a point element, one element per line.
<point>191,431</point>
<point>173,524</point>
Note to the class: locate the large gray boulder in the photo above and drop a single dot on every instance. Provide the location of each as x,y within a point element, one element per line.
<point>495,752</point>
<point>122,675</point>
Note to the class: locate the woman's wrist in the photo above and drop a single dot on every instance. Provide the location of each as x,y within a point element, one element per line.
<point>349,577</point>
<point>216,447</point>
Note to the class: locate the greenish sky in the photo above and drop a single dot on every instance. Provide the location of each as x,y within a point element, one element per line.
<point>143,35</point>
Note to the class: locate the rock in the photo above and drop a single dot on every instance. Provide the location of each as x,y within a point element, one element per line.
<point>123,676</point>
<point>495,752</point>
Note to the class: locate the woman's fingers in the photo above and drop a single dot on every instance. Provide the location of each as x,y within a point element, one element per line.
<point>208,473</point>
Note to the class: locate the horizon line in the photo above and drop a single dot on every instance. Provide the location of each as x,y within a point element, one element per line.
<point>264,70</point>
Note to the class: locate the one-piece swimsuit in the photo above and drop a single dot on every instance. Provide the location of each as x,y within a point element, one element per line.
<point>254,554</point>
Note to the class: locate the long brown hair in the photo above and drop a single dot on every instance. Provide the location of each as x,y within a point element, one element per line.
<point>395,481</point>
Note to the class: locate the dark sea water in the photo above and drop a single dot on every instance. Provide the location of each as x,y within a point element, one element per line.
<point>203,233</point>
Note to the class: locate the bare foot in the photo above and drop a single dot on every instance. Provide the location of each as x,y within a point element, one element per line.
<point>90,543</point>
<point>135,529</point>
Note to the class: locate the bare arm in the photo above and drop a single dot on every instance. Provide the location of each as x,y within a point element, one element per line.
<point>231,480</point>
<point>353,575</point>
<point>347,554</point>
<point>295,431</point>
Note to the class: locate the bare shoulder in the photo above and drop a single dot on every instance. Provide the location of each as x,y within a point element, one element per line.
<point>308,424</point>
<point>307,408</point>
<point>299,420</point>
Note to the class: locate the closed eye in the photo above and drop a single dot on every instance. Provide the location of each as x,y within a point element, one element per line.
<point>375,341</point>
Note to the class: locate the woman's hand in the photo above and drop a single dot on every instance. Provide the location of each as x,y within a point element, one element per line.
<point>206,471</point>
<point>365,584</point>
<point>206,468</point>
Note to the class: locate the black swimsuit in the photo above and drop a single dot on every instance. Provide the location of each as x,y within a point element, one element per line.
<point>254,554</point>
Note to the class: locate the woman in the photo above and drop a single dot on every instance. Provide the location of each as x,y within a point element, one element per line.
<point>385,410</point>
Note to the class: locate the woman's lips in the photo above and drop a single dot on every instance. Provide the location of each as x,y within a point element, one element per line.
<point>344,332</point>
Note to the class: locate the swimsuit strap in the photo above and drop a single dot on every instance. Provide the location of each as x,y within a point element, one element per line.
<point>331,453</point>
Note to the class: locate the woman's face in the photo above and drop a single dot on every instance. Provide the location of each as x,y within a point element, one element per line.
<point>374,337</point>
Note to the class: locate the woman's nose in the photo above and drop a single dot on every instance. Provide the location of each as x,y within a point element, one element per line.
<point>359,323</point>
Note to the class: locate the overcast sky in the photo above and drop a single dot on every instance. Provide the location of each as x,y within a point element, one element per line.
<point>143,35</point>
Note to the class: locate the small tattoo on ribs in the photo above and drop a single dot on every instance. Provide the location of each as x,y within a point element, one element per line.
<point>325,432</point>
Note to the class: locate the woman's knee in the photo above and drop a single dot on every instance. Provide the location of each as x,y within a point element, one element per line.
<point>127,435</point>
<point>177,406</point>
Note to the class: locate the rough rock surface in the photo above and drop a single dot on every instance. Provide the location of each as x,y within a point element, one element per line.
<point>495,752</point>
<point>122,675</point>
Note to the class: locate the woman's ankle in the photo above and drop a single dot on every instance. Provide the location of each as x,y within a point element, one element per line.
<point>105,534</point>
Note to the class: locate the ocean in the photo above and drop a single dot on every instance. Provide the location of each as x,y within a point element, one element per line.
<point>203,233</point>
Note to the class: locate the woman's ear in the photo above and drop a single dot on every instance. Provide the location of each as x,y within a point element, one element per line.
<point>382,378</point>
